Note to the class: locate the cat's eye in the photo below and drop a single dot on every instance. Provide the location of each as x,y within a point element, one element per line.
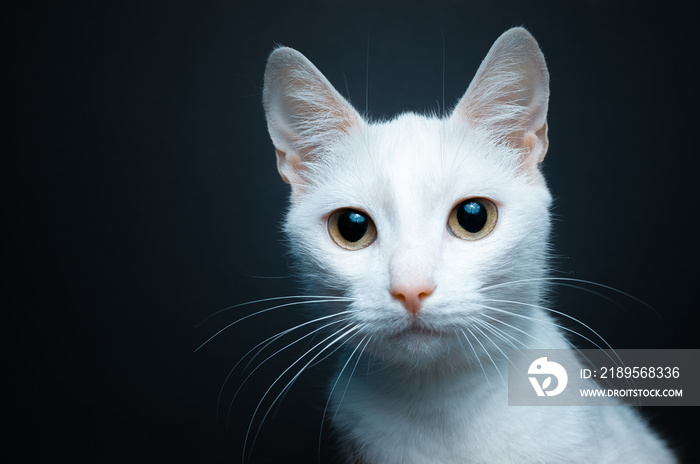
<point>473,218</point>
<point>351,229</point>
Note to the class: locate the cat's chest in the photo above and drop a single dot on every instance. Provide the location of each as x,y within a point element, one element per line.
<point>469,425</point>
<point>413,426</point>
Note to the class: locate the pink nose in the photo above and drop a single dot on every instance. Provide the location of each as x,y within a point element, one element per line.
<point>411,297</point>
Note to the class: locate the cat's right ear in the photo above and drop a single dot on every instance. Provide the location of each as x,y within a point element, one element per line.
<point>305,114</point>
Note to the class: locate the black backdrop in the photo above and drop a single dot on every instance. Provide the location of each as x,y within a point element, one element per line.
<point>142,196</point>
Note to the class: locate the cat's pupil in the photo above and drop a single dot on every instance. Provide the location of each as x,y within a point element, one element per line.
<point>352,225</point>
<point>472,216</point>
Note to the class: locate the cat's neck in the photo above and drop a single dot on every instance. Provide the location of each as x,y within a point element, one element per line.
<point>427,386</point>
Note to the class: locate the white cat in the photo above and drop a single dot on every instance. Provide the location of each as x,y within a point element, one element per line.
<point>432,233</point>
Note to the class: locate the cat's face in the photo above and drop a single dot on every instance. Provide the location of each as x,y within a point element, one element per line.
<point>413,220</point>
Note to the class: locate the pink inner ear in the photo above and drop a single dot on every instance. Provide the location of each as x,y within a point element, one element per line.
<point>535,145</point>
<point>289,166</point>
<point>305,114</point>
<point>509,95</point>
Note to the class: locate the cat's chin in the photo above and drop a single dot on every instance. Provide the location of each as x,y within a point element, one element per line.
<point>416,343</point>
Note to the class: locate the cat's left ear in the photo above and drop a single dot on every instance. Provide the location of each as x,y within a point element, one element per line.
<point>305,114</point>
<point>509,96</point>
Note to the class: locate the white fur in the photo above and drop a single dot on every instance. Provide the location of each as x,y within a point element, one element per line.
<point>426,398</point>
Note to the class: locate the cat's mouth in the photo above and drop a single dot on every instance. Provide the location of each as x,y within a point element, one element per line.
<point>416,329</point>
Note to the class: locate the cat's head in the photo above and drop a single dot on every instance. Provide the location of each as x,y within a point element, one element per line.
<point>421,221</point>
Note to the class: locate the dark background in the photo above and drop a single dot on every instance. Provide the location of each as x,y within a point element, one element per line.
<point>141,196</point>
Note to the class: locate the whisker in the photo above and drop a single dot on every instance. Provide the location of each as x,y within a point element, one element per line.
<point>274,298</point>
<point>591,291</point>
<point>321,360</point>
<point>345,331</point>
<point>267,342</point>
<point>295,303</point>
<point>230,406</point>
<point>367,78</point>
<point>269,277</point>
<point>444,110</point>
<point>340,374</point>
<point>535,338</point>
<point>475,355</point>
<point>503,335</point>
<point>313,362</point>
<point>515,328</point>
<point>257,408</point>
<point>530,335</point>
<point>583,356</point>
<point>544,308</point>
<point>349,379</point>
<point>285,332</point>
<point>487,353</point>
<point>335,384</point>
<point>543,321</point>
<point>476,327</point>
<point>559,280</point>
<point>561,326</point>
<point>570,330</point>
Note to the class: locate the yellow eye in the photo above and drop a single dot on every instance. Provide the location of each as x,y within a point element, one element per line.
<point>473,218</point>
<point>351,229</point>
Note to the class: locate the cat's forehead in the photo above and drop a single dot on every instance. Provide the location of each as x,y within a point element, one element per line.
<point>416,160</point>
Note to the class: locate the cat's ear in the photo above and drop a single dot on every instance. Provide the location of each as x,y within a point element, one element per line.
<point>509,95</point>
<point>305,114</point>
